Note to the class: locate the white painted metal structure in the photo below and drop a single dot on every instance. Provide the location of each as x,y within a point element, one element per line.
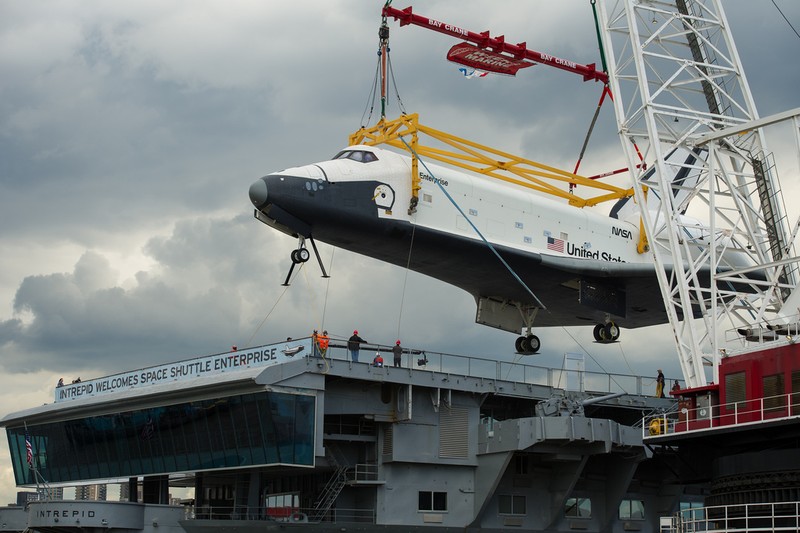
<point>772,517</point>
<point>678,83</point>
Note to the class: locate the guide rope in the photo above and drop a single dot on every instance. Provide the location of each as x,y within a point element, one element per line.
<point>475,229</point>
<point>260,324</point>
<point>405,279</point>
<point>327,288</point>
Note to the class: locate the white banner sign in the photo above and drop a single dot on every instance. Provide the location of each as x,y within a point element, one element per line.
<point>259,357</point>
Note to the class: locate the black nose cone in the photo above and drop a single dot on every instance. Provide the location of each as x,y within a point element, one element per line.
<point>258,193</point>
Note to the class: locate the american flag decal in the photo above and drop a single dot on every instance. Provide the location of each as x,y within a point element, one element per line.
<point>557,245</point>
<point>148,430</point>
<point>28,449</point>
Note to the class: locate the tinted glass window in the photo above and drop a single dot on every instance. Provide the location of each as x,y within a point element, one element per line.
<point>631,510</point>
<point>432,501</point>
<point>362,156</point>
<point>581,507</point>
<point>235,431</point>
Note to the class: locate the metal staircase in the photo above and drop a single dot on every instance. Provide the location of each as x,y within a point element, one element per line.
<point>774,222</point>
<point>335,484</point>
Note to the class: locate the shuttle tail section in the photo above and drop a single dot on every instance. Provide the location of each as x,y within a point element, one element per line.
<point>684,174</point>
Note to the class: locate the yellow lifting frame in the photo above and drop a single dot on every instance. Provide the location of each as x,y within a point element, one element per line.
<point>486,161</point>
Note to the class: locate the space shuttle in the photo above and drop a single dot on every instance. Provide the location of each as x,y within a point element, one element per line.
<point>527,259</point>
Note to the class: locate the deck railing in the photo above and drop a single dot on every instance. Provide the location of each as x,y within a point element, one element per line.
<point>483,367</point>
<point>413,359</point>
<point>744,412</point>
<point>762,334</point>
<point>281,514</point>
<point>365,472</point>
<point>751,517</point>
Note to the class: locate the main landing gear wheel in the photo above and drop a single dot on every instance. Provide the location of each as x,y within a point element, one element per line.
<point>527,345</point>
<point>301,255</point>
<point>606,332</point>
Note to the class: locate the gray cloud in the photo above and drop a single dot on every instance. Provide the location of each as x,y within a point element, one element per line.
<point>216,280</point>
<point>130,132</point>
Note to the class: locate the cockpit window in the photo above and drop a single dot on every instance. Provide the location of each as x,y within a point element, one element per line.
<point>362,156</point>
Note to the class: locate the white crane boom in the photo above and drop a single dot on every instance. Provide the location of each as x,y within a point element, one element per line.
<point>678,84</point>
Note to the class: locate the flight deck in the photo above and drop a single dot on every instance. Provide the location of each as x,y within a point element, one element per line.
<point>277,435</point>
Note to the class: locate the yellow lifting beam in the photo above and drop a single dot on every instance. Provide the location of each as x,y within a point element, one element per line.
<point>486,161</point>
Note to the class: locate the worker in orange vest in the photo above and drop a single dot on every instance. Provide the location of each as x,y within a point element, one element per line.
<point>323,341</point>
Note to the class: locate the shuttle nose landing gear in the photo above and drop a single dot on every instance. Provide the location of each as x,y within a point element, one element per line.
<point>301,255</point>
<point>608,332</point>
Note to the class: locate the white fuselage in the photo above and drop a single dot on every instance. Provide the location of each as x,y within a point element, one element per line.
<point>504,213</point>
<point>581,265</point>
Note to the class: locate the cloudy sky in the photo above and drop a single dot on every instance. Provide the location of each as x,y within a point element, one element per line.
<point>131,131</point>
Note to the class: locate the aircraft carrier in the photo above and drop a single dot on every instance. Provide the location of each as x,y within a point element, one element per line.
<point>274,437</point>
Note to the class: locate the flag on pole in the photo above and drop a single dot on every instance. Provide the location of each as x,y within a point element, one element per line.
<point>148,430</point>
<point>472,73</point>
<point>472,56</point>
<point>28,449</point>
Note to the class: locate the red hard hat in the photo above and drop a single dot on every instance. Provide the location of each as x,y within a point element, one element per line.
<point>398,341</point>
<point>355,332</point>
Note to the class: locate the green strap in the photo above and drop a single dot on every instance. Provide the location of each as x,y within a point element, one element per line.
<point>599,40</point>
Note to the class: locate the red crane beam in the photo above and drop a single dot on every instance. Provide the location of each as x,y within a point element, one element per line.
<point>496,44</point>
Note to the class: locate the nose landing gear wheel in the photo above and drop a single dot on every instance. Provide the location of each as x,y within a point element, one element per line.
<point>527,345</point>
<point>301,255</point>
